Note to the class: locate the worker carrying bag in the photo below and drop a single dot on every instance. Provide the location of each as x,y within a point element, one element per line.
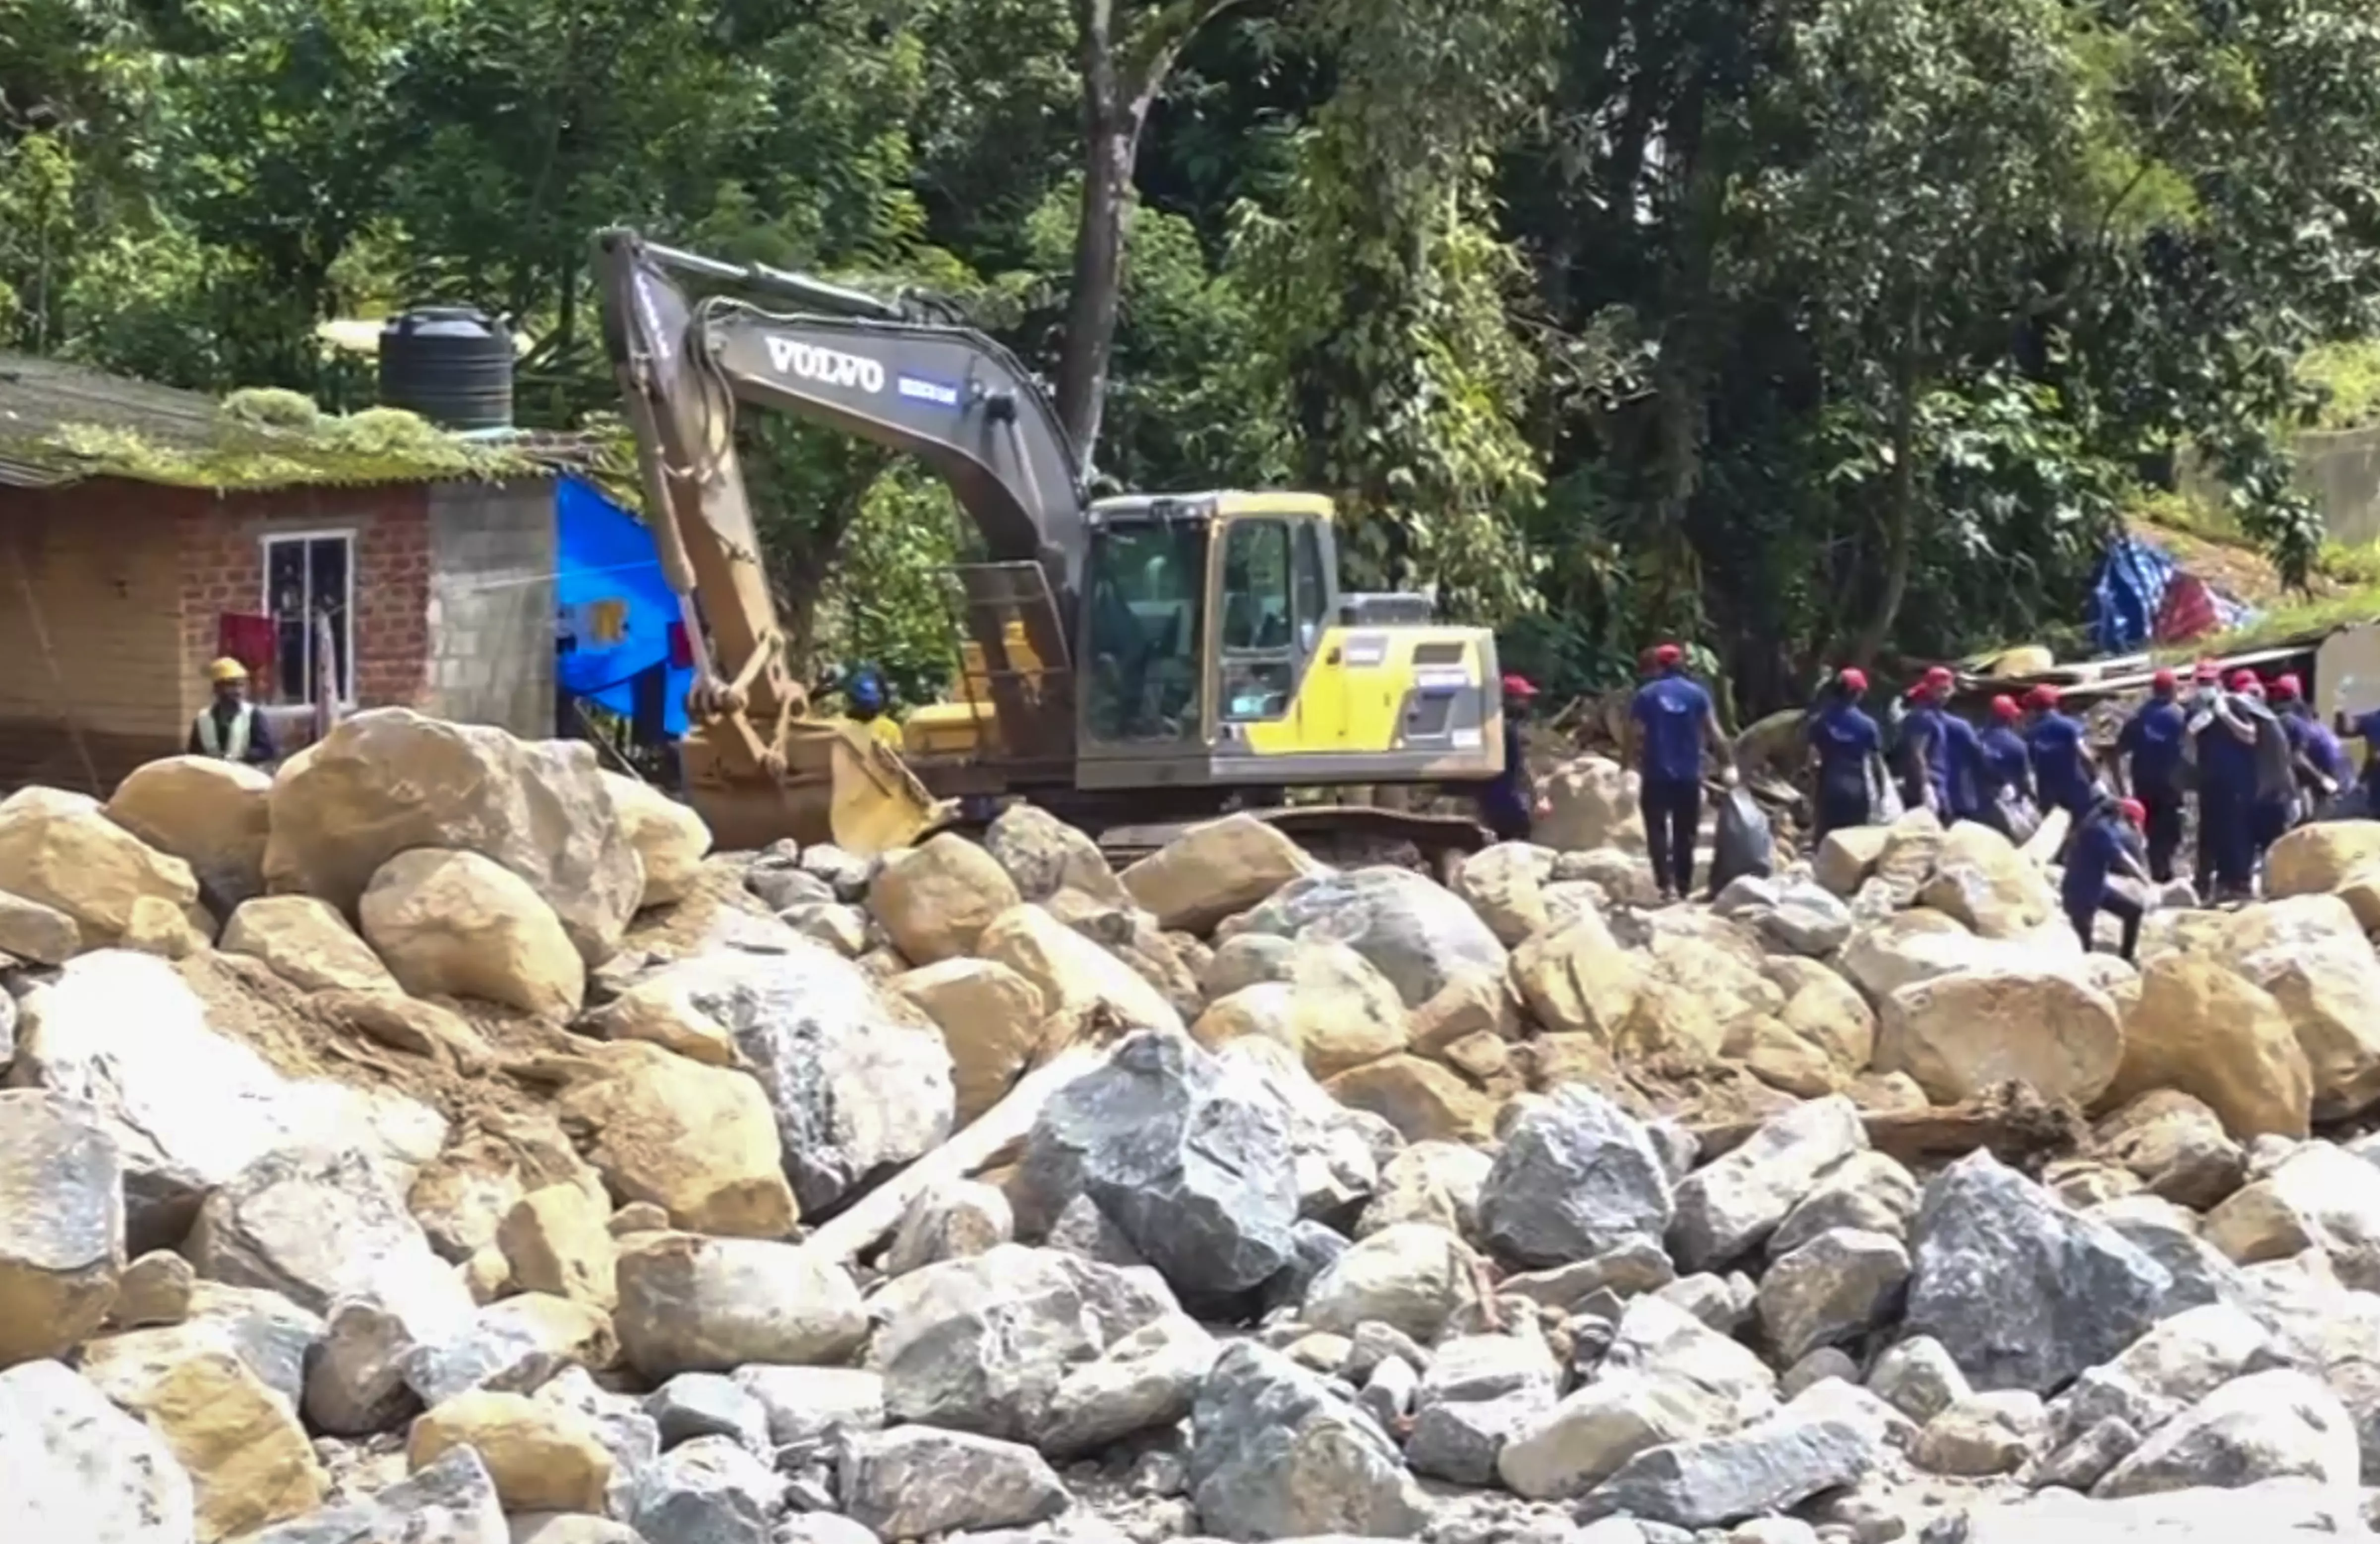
<point>1741,843</point>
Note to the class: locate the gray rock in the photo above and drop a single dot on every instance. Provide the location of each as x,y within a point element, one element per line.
<point>1724,1303</point>
<point>696,1405</point>
<point>1459,1441</point>
<point>1773,1530</point>
<point>1192,1165</point>
<point>7,1029</point>
<point>2279,1425</point>
<point>1713,1481</point>
<point>1414,1277</point>
<point>859,1085</point>
<point>2190,1355</point>
<point>1470,1369</point>
<point>1331,1148</point>
<point>272,1335</point>
<point>82,1470</point>
<point>2105,1393</point>
<point>2276,1509</point>
<point>806,1404</point>
<point>1081,1228</point>
<point>690,1303</point>
<point>1276,1455</point>
<point>1147,1380</point>
<point>1918,1378</point>
<point>2021,1291</point>
<point>1418,934</point>
<point>569,1527</point>
<point>915,1480</point>
<point>983,1345</point>
<point>782,886</point>
<point>2084,1462</point>
<point>1730,1384</point>
<point>448,1500</point>
<point>317,1227</point>
<point>1043,856</point>
<point>512,1347</point>
<point>1314,1248</point>
<point>1429,1181</point>
<point>1982,1435</point>
<point>1826,1362</point>
<point>1585,1440</point>
<point>1807,919</point>
<point>1869,1190</point>
<point>1726,1208</point>
<point>1832,1289</point>
<point>847,873</point>
<point>355,1384</point>
<point>1390,1391</point>
<point>61,1222</point>
<point>950,1221</point>
<point>707,1492</point>
<point>1576,1177</point>
<point>821,1528</point>
<point>620,1425</point>
<point>2199,1273</point>
<point>1627,1269</point>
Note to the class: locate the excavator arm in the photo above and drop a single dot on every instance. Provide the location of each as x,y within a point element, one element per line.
<point>892,373</point>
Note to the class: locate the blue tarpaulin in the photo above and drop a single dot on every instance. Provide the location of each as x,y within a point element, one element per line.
<point>615,606</point>
<point>2128,600</point>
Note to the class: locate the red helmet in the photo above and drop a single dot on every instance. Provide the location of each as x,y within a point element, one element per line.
<point>2245,680</point>
<point>2134,810</point>
<point>2286,687</point>
<point>1937,675</point>
<point>1519,687</point>
<point>1853,679</point>
<point>2004,708</point>
<point>1667,655</point>
<point>2162,682</point>
<point>2044,697</point>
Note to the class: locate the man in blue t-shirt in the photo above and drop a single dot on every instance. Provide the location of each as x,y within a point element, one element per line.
<point>1925,769</point>
<point>2007,765</point>
<point>2061,758</point>
<point>2226,788</point>
<point>2320,759</point>
<point>2102,847</point>
<point>2365,728</point>
<point>1844,743</point>
<point>1671,721</point>
<point>2149,754</point>
<point>1507,802</point>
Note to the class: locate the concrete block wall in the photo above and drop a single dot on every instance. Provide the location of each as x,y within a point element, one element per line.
<point>491,604</point>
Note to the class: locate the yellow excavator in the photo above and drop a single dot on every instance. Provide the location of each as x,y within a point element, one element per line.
<point>1131,662</point>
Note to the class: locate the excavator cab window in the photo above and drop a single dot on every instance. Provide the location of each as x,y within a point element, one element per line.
<point>1145,611</point>
<point>1260,643</point>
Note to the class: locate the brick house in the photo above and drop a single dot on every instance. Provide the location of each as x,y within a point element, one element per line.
<point>134,543</point>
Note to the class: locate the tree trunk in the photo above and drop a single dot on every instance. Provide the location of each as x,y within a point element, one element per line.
<point>1113,110</point>
<point>1901,505</point>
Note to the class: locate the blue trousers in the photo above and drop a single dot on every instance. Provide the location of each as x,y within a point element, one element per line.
<point>2227,837</point>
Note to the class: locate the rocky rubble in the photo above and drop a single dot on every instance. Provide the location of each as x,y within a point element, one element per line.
<point>434,1142</point>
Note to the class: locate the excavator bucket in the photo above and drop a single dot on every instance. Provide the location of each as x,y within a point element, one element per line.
<point>840,785</point>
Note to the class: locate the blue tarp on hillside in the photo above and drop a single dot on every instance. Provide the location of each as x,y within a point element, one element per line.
<point>615,605</point>
<point>2125,597</point>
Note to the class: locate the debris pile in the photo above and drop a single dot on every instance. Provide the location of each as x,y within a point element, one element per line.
<point>434,1142</point>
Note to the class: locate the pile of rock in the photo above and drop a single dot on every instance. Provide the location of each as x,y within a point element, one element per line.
<point>431,1143</point>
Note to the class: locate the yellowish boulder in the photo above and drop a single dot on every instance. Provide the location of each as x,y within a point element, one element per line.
<point>670,838</point>
<point>2311,954</point>
<point>2361,891</point>
<point>1424,1101</point>
<point>1590,803</point>
<point>61,1224</point>
<point>408,1024</point>
<point>1505,885</point>
<point>61,850</point>
<point>1911,844</point>
<point>1332,1007</point>
<point>661,1011</point>
<point>700,1142</point>
<point>1074,974</point>
<point>1962,1033</point>
<point>991,1021</point>
<point>37,934</point>
<point>456,924</point>
<point>2210,1032</point>
<point>1213,871</point>
<point>937,900</point>
<point>308,945</point>
<point>543,1457</point>
<point>2317,859</point>
<point>1576,980</point>
<point>1847,856</point>
<point>168,931</point>
<point>1475,1003</point>
<point>247,1456</point>
<point>556,1240</point>
<point>1826,1010</point>
<point>212,815</point>
<point>1982,881</point>
<point>1672,1020</point>
<point>1550,1061</point>
<point>1782,1059</point>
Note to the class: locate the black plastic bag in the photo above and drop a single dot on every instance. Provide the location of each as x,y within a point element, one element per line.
<point>1742,843</point>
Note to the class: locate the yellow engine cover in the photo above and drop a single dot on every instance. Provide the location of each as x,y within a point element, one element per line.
<point>1384,703</point>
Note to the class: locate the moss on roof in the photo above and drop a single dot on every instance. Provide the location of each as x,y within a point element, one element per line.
<point>252,457</point>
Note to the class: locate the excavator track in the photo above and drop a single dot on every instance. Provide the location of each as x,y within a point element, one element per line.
<point>1343,835</point>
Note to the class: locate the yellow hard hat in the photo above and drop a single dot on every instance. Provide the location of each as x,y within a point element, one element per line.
<point>227,669</point>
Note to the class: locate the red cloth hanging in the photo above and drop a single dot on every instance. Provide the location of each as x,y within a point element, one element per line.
<point>2188,611</point>
<point>681,651</point>
<point>248,639</point>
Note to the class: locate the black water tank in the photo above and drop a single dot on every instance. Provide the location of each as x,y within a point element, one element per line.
<point>451,365</point>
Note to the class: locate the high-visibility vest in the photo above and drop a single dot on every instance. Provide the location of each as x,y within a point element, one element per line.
<point>231,748</point>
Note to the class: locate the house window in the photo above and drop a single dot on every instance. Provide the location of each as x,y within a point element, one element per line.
<point>309,576</point>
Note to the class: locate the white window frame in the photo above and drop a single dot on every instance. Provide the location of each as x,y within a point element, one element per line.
<point>265,543</point>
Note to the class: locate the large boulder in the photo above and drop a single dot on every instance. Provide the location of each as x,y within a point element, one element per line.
<point>1072,973</point>
<point>2205,1029</point>
<point>1192,1164</point>
<point>450,1500</point>
<point>189,1108</point>
<point>2022,1293</point>
<point>1847,856</point>
<point>36,933</point>
<point>1423,1100</point>
<point>690,1303</point>
<point>455,924</point>
<point>669,838</point>
<point>2275,1424</point>
<point>1214,871</point>
<point>1274,1456</point>
<point>1044,855</point>
<point>1962,1033</point>
<point>1327,1004</point>
<point>1420,935</point>
<point>2318,860</point>
<point>61,850</point>
<point>61,1224</point>
<point>1590,803</point>
<point>697,1141</point>
<point>543,1457</point>
<point>82,1470</point>
<point>936,900</point>
<point>860,1080</point>
<point>2321,1198</point>
<point>916,1482</point>
<point>1416,1277</point>
<point>1578,1176</point>
<point>1505,885</point>
<point>388,780</point>
<point>991,1021</point>
<point>1730,1205</point>
<point>212,814</point>
<point>247,1457</point>
<point>1577,980</point>
<point>2309,952</point>
<point>308,945</point>
<point>1984,883</point>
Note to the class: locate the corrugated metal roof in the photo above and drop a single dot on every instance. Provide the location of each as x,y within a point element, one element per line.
<point>39,397</point>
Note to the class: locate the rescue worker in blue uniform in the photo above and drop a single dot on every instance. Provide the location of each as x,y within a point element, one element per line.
<point>1844,743</point>
<point>2061,757</point>
<point>2272,801</point>
<point>2227,790</point>
<point>2321,761</point>
<point>2366,727</point>
<point>2004,765</point>
<point>2149,756</point>
<point>1507,802</point>
<point>1671,721</point>
<point>1925,768</point>
<point>230,728</point>
<point>2102,847</point>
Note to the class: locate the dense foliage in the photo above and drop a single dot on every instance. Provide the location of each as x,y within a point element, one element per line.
<point>1814,328</point>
